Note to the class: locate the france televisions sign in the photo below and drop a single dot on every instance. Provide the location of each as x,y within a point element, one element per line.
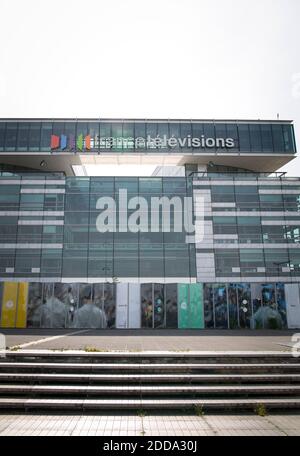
<point>87,142</point>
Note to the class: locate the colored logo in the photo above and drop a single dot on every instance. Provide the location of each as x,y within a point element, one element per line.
<point>62,142</point>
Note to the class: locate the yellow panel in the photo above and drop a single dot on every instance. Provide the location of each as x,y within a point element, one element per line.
<point>22,305</point>
<point>9,304</point>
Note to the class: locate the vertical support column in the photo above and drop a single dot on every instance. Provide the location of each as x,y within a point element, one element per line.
<point>134,305</point>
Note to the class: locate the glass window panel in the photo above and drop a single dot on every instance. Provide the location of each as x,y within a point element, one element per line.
<point>46,133</point>
<point>23,132</point>
<point>171,306</point>
<point>288,138</point>
<point>281,303</point>
<point>220,305</point>
<point>34,136</point>
<point>2,135</point>
<point>208,306</point>
<point>150,185</point>
<point>159,306</point>
<point>11,136</point>
<point>267,138</point>
<point>102,185</point>
<point>58,128</point>
<point>140,132</point>
<point>233,306</point>
<point>185,129</point>
<point>232,132</point>
<point>94,132</point>
<point>128,135</point>
<point>34,306</point>
<point>244,138</point>
<point>245,307</point>
<point>147,305</point>
<point>278,138</point>
<point>255,137</point>
<point>33,201</point>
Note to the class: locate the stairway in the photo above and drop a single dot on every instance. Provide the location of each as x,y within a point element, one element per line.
<point>49,380</point>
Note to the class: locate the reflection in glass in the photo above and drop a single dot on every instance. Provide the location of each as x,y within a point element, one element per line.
<point>281,303</point>
<point>220,302</point>
<point>159,306</point>
<point>109,304</point>
<point>208,306</point>
<point>88,315</point>
<point>256,296</point>
<point>34,306</point>
<point>171,306</point>
<point>245,308</point>
<point>68,295</point>
<point>233,306</point>
<point>147,305</point>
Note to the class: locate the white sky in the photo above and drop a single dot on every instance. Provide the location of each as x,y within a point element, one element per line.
<point>151,58</point>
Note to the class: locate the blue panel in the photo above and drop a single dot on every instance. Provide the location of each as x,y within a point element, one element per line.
<point>63,141</point>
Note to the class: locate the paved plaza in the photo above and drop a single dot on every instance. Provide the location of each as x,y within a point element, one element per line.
<point>154,340</point>
<point>111,424</point>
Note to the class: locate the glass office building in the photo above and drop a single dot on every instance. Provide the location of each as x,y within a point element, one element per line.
<point>239,269</point>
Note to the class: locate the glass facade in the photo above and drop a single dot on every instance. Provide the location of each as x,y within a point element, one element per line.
<point>252,226</point>
<point>48,228</point>
<point>182,306</point>
<point>35,136</point>
<point>61,267</point>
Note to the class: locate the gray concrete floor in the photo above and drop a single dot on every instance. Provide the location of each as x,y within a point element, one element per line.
<point>139,340</point>
<point>114,424</point>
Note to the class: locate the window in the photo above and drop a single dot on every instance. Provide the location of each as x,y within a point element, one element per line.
<point>152,132</point>
<point>2,135</point>
<point>222,194</point>
<point>267,139</point>
<point>249,229</point>
<point>22,140</point>
<point>277,138</point>
<point>32,202</point>
<point>244,138</point>
<point>226,260</point>
<point>255,137</point>
<point>288,139</point>
<point>34,136</point>
<point>46,133</point>
<point>11,136</point>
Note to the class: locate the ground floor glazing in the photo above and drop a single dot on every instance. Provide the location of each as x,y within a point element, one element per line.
<point>149,305</point>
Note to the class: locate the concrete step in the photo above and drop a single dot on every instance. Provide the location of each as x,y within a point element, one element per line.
<point>155,357</point>
<point>32,378</point>
<point>136,367</point>
<point>169,390</point>
<point>144,404</point>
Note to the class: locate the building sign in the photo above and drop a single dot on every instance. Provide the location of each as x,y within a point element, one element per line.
<point>88,142</point>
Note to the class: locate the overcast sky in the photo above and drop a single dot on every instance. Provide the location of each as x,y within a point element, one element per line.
<point>202,59</point>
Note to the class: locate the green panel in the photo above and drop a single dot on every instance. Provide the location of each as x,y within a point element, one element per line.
<point>196,318</point>
<point>183,316</point>
<point>80,142</point>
